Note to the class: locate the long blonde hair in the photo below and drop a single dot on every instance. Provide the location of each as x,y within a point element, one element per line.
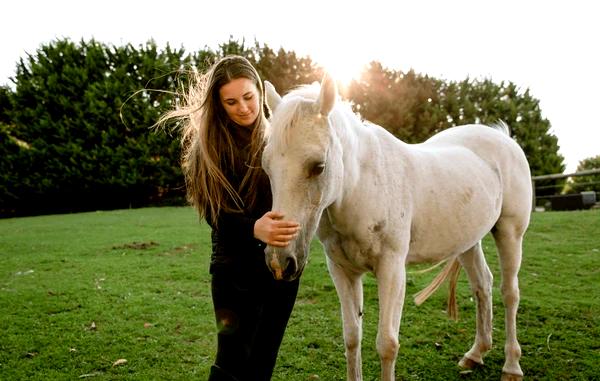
<point>207,144</point>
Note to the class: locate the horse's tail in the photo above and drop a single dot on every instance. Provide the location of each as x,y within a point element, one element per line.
<point>502,127</point>
<point>451,271</point>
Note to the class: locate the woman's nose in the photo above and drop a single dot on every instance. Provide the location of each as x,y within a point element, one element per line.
<point>243,107</point>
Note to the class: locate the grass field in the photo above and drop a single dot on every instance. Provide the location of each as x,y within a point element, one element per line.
<point>80,292</point>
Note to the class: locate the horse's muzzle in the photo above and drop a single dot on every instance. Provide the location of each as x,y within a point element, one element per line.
<point>282,264</point>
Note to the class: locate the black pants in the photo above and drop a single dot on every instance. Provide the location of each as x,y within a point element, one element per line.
<point>252,310</point>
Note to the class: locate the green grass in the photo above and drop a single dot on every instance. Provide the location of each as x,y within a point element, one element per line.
<point>79,292</point>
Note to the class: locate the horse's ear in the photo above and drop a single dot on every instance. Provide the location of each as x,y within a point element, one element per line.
<point>273,98</point>
<point>327,95</point>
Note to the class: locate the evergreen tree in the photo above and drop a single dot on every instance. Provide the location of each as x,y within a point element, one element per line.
<point>9,148</point>
<point>75,132</point>
<point>285,70</point>
<point>5,104</point>
<point>486,102</point>
<point>586,183</point>
<point>406,104</point>
<point>86,130</point>
<point>472,101</point>
<point>414,107</point>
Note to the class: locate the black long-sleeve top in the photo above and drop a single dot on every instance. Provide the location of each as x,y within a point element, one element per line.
<point>233,241</point>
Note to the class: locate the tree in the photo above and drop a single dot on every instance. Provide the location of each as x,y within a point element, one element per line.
<point>74,133</point>
<point>586,183</point>
<point>83,112</point>
<point>473,101</point>
<point>414,107</point>
<point>404,104</point>
<point>5,104</point>
<point>486,102</point>
<point>284,69</point>
<point>11,156</point>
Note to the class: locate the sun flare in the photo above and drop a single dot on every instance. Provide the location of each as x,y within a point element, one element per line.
<point>343,69</point>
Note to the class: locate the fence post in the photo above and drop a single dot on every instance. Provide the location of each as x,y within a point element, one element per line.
<point>533,204</point>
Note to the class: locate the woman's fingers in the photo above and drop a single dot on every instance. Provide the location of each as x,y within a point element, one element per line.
<point>286,226</point>
<point>278,219</point>
<point>274,215</point>
<point>283,239</point>
<point>287,231</point>
<point>276,231</point>
<point>278,243</point>
<point>286,234</point>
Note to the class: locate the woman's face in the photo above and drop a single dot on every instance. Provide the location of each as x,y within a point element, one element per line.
<point>240,99</point>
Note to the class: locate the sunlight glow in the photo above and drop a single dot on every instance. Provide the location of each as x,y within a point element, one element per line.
<point>343,69</point>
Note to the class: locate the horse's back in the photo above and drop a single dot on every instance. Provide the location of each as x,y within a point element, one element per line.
<point>486,142</point>
<point>491,145</point>
<point>465,179</point>
<point>501,153</point>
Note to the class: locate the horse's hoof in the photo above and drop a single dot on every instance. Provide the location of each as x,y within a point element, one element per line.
<point>511,377</point>
<point>467,363</point>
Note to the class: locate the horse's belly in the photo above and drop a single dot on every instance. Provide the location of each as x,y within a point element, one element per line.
<point>428,253</point>
<point>443,235</point>
<point>453,210</point>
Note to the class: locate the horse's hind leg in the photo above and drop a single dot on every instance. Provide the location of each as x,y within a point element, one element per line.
<point>480,279</point>
<point>508,234</point>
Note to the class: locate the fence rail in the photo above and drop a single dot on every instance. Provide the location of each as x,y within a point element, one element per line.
<point>556,176</point>
<point>562,175</point>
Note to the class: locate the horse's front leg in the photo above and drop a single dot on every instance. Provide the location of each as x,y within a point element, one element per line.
<point>391,285</point>
<point>350,292</point>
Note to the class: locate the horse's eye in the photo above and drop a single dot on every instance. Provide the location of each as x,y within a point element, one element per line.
<point>316,169</point>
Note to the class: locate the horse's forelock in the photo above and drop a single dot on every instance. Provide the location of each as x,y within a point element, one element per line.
<point>287,114</point>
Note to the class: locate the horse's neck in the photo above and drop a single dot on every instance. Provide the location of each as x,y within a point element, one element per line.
<point>370,152</point>
<point>361,143</point>
<point>349,129</point>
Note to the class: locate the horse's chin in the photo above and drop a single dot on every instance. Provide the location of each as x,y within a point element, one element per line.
<point>292,277</point>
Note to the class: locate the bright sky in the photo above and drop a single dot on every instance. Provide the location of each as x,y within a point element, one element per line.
<point>550,47</point>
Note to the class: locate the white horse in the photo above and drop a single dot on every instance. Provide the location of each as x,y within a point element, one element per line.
<point>377,203</point>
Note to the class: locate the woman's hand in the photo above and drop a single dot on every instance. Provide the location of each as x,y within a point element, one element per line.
<point>274,231</point>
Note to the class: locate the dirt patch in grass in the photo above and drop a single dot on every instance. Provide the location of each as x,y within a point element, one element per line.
<point>136,245</point>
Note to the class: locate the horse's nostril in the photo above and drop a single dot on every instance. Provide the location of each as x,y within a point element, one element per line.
<point>290,266</point>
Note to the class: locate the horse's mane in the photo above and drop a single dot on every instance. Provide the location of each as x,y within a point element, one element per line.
<point>288,112</point>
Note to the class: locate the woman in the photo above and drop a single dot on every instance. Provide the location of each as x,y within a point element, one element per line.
<point>223,121</point>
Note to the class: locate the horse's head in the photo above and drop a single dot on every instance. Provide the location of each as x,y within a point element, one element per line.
<point>302,157</point>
